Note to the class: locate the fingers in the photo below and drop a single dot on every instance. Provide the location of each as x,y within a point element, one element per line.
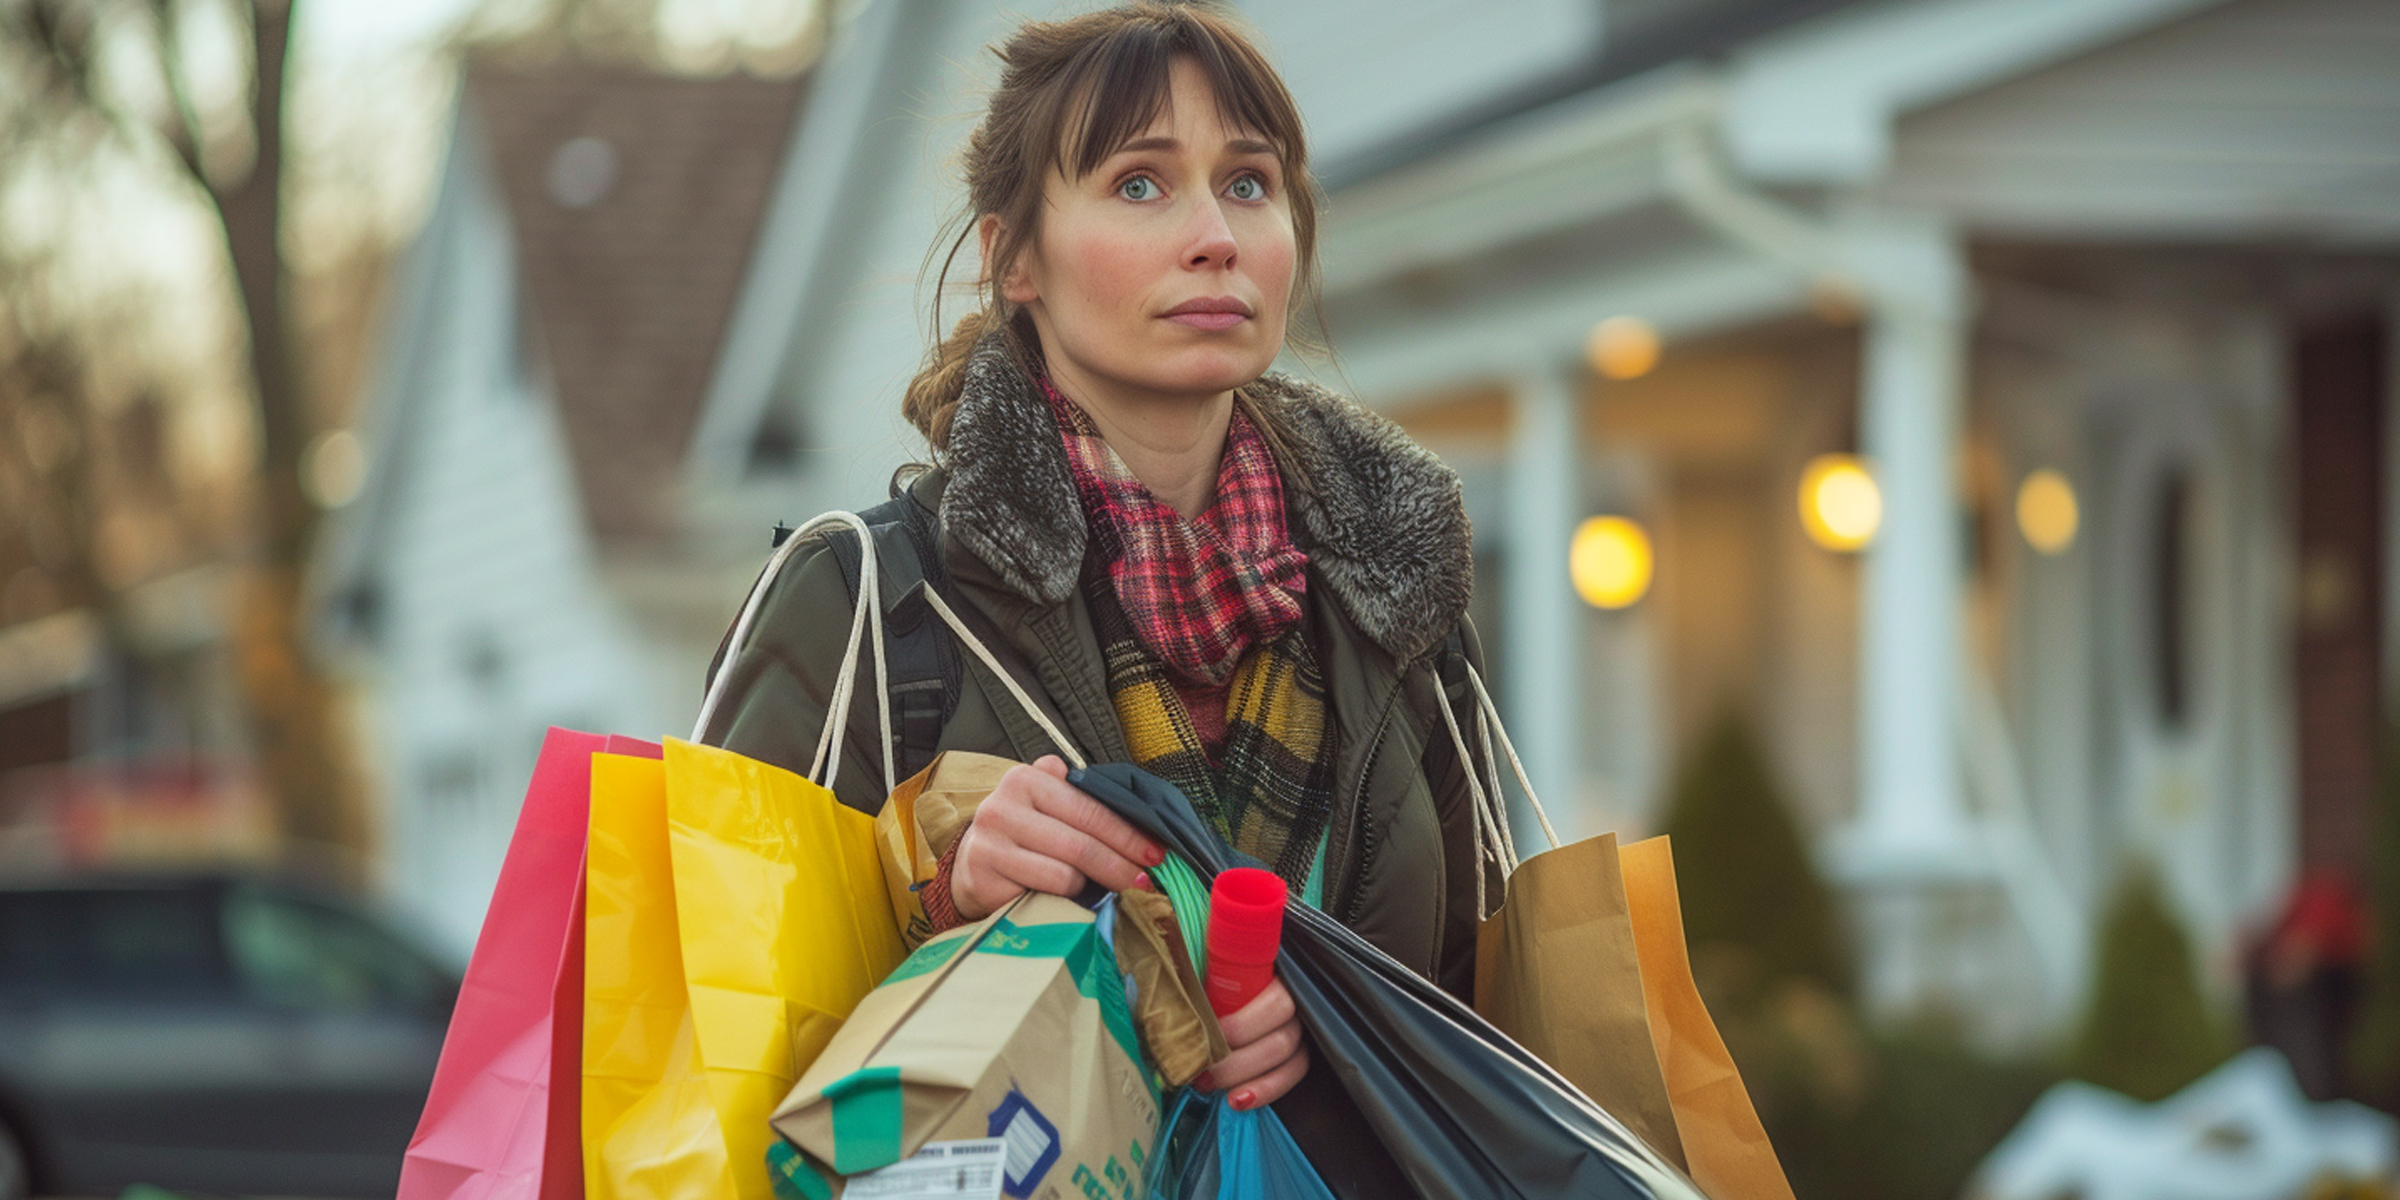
<point>1266,1038</point>
<point>1252,1063</point>
<point>1270,1009</point>
<point>1036,832</point>
<point>1071,806</point>
<point>993,869</point>
<point>1274,1085</point>
<point>1089,857</point>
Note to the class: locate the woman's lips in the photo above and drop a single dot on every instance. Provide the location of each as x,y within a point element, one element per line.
<point>1207,320</point>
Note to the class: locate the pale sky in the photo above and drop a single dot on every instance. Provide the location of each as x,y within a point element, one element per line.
<point>366,28</point>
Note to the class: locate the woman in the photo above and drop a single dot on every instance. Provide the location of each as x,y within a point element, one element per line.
<point>1250,587</point>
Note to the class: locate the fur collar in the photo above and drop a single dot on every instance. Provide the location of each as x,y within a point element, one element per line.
<point>1380,516</point>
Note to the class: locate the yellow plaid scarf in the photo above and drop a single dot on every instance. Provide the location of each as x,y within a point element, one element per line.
<point>1270,792</point>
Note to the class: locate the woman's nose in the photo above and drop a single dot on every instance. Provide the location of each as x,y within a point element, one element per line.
<point>1211,241</point>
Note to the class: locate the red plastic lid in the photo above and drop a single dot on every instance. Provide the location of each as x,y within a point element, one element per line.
<point>1245,914</point>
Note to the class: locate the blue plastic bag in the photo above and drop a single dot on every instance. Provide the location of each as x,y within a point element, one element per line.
<point>1230,1154</point>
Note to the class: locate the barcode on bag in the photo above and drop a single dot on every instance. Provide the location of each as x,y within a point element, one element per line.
<point>962,1170</point>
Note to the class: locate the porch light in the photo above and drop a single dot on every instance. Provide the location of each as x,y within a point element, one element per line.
<point>1840,505</point>
<point>1610,562</point>
<point>2046,511</point>
<point>333,469</point>
<point>1622,347</point>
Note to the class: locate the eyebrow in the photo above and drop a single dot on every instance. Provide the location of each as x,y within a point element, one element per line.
<point>1237,145</point>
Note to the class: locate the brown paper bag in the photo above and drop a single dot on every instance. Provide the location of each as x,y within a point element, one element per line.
<point>1179,1029</point>
<point>1013,1028</point>
<point>1555,968</point>
<point>1726,1148</point>
<point>924,815</point>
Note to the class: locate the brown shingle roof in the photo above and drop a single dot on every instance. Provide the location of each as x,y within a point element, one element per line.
<point>635,201</point>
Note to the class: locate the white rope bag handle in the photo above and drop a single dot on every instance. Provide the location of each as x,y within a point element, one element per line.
<point>826,764</point>
<point>1492,832</point>
<point>1491,814</point>
<point>1058,738</point>
<point>866,624</point>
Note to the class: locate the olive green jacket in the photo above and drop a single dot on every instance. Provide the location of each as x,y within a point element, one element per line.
<point>1389,573</point>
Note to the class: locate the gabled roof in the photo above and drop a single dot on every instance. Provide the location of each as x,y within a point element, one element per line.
<point>634,202</point>
<point>1639,37</point>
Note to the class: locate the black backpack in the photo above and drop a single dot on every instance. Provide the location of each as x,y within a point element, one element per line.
<point>920,658</point>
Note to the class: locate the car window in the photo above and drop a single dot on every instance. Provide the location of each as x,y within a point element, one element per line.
<point>307,955</point>
<point>136,942</point>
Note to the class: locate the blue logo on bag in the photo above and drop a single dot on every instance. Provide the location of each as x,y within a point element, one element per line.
<point>1032,1143</point>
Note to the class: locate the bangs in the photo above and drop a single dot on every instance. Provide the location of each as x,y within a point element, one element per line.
<point>1121,82</point>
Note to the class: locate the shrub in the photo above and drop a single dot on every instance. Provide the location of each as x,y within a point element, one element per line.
<point>1743,872</point>
<point>2375,1046</point>
<point>2148,1030</point>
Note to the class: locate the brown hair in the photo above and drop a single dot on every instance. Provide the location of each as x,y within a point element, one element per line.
<point>1071,92</point>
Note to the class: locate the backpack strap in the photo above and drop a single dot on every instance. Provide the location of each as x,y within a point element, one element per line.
<point>926,671</point>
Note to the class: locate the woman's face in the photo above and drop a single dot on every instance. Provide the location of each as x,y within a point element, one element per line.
<point>1166,272</point>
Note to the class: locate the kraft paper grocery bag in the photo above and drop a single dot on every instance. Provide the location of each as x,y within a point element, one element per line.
<point>501,1118</point>
<point>650,1129</point>
<point>1016,1028</point>
<point>925,814</point>
<point>1556,968</point>
<point>1726,1147</point>
<point>784,926</point>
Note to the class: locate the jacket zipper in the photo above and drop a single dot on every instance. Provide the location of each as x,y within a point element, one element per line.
<point>1361,829</point>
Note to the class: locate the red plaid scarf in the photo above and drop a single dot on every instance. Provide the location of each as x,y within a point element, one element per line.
<point>1200,593</point>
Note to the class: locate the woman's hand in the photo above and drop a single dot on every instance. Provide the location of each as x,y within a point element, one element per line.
<point>1038,833</point>
<point>1268,1056</point>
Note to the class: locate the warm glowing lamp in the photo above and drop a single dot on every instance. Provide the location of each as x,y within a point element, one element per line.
<point>1623,347</point>
<point>2046,511</point>
<point>333,469</point>
<point>1840,505</point>
<point>1610,562</point>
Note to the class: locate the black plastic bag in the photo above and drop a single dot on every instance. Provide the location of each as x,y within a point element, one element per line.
<point>1411,1092</point>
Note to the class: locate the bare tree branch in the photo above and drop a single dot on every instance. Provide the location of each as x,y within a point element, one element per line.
<point>186,137</point>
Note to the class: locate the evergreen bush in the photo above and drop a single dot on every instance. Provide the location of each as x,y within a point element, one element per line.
<point>1742,869</point>
<point>2375,1044</point>
<point>2147,1031</point>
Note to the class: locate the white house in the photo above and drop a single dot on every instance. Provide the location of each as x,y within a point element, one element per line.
<point>2149,247</point>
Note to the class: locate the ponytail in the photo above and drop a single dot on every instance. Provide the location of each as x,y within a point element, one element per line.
<point>932,397</point>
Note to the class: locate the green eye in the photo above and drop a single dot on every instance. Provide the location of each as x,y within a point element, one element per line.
<point>1140,187</point>
<point>1249,187</point>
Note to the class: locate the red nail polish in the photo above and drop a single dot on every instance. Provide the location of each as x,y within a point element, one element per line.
<point>1142,881</point>
<point>1157,855</point>
<point>1244,1099</point>
<point>1207,1082</point>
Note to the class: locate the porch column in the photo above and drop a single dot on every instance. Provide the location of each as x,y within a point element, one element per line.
<point>1542,678</point>
<point>1912,823</point>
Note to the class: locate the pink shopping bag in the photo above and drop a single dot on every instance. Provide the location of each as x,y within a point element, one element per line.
<point>502,1121</point>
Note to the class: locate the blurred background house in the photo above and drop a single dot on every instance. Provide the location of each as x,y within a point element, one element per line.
<point>1964,428</point>
<point>2100,293</point>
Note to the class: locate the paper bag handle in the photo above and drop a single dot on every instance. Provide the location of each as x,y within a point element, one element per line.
<point>869,612</point>
<point>1491,826</point>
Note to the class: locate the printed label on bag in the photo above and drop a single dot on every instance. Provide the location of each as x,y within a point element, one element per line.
<point>962,1170</point>
<point>1032,1142</point>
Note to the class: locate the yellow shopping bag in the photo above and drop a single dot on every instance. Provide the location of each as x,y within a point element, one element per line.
<point>784,928</point>
<point>649,1126</point>
<point>736,915</point>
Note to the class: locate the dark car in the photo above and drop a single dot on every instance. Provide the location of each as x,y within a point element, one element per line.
<point>213,1033</point>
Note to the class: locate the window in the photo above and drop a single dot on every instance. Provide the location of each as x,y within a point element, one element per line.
<point>300,954</point>
<point>131,943</point>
